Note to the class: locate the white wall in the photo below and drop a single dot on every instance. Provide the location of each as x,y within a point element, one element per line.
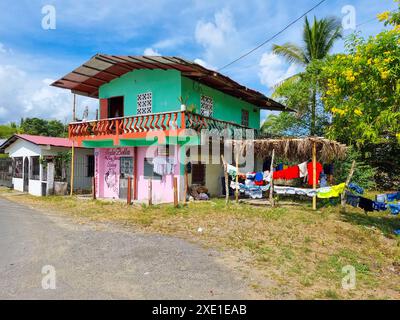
<point>22,148</point>
<point>18,184</point>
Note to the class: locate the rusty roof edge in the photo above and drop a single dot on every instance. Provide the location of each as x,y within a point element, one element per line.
<point>245,91</point>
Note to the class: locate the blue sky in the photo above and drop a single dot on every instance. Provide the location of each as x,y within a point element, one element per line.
<point>212,33</point>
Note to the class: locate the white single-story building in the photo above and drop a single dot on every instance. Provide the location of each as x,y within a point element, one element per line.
<point>41,164</point>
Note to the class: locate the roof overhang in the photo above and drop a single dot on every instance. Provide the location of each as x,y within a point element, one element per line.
<point>101,69</point>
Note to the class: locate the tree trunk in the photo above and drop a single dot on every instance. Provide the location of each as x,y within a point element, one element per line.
<point>313,130</point>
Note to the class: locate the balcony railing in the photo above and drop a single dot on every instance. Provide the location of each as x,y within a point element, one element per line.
<point>165,121</point>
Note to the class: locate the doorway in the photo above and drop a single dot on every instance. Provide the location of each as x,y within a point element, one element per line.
<point>126,170</point>
<point>116,107</point>
<point>26,175</point>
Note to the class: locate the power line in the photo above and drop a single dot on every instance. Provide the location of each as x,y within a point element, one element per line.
<point>365,22</point>
<point>273,37</point>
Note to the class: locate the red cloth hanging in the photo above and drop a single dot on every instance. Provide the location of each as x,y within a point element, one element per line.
<point>311,172</point>
<point>287,174</point>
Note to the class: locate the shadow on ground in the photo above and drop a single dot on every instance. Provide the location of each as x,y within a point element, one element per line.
<point>386,224</point>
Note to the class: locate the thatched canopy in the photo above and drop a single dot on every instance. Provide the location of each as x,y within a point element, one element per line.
<point>296,149</point>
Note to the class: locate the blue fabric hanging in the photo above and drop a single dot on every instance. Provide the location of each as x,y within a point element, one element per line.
<point>356,188</point>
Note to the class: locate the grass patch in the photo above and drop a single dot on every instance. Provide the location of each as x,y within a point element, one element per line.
<point>298,252</point>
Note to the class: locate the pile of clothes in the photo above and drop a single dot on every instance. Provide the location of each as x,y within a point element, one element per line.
<point>199,193</point>
<point>252,184</point>
<point>355,199</point>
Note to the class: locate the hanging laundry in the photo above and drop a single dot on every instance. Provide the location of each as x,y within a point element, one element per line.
<point>352,200</point>
<point>366,204</point>
<point>259,179</point>
<point>356,188</point>
<point>331,192</point>
<point>328,169</point>
<point>232,171</point>
<point>393,197</point>
<point>311,172</point>
<point>295,191</point>
<point>381,198</point>
<point>323,183</point>
<point>303,172</point>
<point>164,165</point>
<point>251,176</point>
<point>379,206</point>
<point>267,176</point>
<point>394,208</point>
<point>288,174</point>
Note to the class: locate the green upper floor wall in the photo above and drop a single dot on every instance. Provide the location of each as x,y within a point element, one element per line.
<point>167,86</point>
<point>225,107</point>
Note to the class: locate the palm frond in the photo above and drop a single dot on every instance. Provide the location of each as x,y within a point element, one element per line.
<point>291,52</point>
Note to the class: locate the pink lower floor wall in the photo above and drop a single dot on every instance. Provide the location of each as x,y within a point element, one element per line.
<point>113,165</point>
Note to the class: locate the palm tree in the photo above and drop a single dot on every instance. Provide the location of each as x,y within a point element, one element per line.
<point>318,41</point>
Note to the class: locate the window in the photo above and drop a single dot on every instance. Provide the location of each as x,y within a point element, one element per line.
<point>35,168</point>
<point>206,106</point>
<point>90,166</point>
<point>144,103</point>
<point>245,118</point>
<point>198,173</point>
<point>18,167</point>
<point>149,170</point>
<point>126,167</point>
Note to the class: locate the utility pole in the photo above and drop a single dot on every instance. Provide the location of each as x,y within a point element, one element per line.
<point>74,108</point>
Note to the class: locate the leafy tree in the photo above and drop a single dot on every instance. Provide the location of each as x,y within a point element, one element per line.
<point>36,126</point>
<point>362,90</point>
<point>318,40</point>
<point>7,130</point>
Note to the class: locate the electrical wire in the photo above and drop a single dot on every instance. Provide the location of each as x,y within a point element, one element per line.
<point>273,37</point>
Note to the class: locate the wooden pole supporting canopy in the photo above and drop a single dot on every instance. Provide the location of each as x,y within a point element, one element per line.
<point>314,165</point>
<point>271,190</point>
<point>343,196</point>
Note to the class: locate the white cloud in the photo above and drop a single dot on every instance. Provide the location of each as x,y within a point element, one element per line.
<point>24,95</point>
<point>204,64</point>
<point>2,48</point>
<point>170,42</point>
<point>274,70</point>
<point>151,52</point>
<point>214,34</point>
<point>219,38</point>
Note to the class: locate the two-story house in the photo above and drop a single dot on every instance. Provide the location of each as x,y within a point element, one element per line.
<point>146,106</point>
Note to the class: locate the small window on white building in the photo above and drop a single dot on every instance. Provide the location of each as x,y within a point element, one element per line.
<point>144,103</point>
<point>245,118</point>
<point>206,106</point>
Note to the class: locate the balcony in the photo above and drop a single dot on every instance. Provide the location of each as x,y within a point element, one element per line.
<point>140,126</point>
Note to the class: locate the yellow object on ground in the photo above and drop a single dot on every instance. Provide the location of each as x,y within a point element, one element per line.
<point>331,192</point>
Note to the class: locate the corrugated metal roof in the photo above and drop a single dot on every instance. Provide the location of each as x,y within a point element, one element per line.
<point>38,140</point>
<point>102,68</point>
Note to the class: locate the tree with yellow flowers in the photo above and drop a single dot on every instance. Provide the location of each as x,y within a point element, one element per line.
<point>361,89</point>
